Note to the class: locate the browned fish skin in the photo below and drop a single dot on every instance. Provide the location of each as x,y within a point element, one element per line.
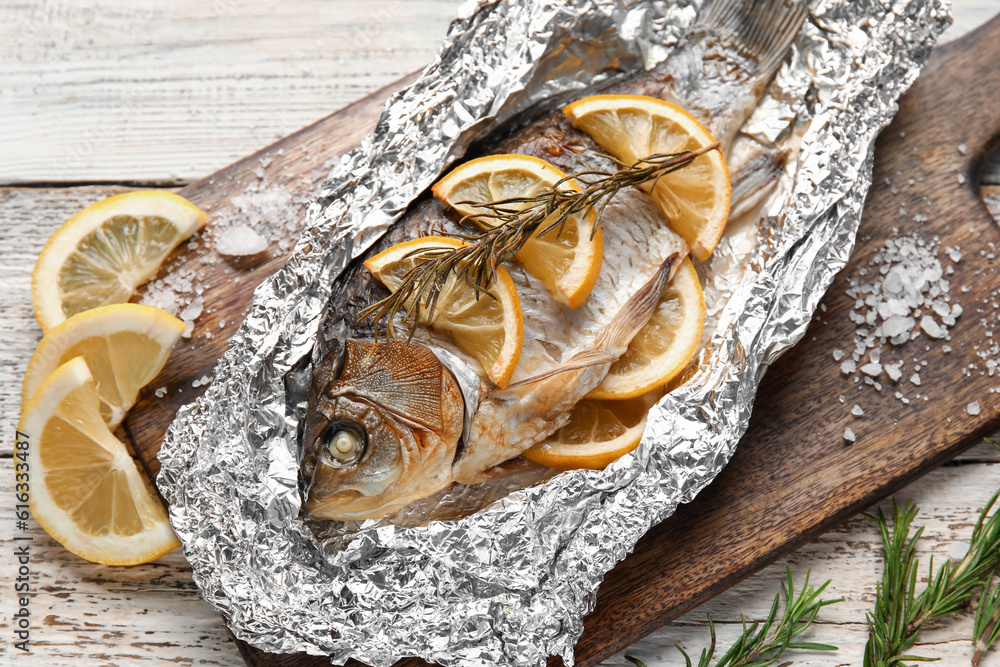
<point>718,73</point>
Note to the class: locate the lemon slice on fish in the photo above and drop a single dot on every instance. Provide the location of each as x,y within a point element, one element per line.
<point>489,327</point>
<point>695,199</point>
<point>597,433</point>
<point>86,491</point>
<point>101,254</point>
<point>566,260</point>
<point>665,346</point>
<point>125,346</point>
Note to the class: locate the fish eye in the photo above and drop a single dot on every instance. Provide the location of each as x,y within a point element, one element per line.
<point>344,443</point>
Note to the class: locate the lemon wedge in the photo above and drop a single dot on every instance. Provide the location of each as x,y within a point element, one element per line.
<point>567,261</point>
<point>665,346</point>
<point>491,330</point>
<point>694,199</point>
<point>86,491</point>
<point>125,346</point>
<point>597,433</point>
<point>101,254</point>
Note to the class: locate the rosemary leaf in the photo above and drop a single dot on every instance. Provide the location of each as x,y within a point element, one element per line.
<point>762,644</point>
<point>509,224</point>
<point>900,612</point>
<point>986,627</point>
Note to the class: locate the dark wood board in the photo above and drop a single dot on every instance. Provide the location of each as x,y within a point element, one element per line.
<point>792,476</point>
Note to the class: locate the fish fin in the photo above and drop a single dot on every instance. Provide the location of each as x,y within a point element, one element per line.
<point>760,29</point>
<point>402,377</point>
<point>755,180</point>
<point>619,332</point>
<point>578,361</point>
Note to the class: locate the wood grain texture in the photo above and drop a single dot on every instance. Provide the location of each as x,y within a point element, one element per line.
<point>152,615</point>
<point>792,476</point>
<point>296,164</point>
<point>950,501</point>
<point>88,614</point>
<point>122,90</point>
<point>161,93</point>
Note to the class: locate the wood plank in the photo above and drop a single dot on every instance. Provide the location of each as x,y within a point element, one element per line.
<point>153,615</point>
<point>294,164</point>
<point>111,615</point>
<point>164,93</point>
<point>29,216</point>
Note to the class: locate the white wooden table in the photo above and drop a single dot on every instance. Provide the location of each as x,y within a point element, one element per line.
<point>100,96</point>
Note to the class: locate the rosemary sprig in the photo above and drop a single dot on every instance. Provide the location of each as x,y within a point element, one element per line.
<point>763,643</point>
<point>900,612</point>
<point>986,628</point>
<point>511,222</point>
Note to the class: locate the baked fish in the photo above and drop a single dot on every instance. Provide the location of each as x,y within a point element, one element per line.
<point>389,422</point>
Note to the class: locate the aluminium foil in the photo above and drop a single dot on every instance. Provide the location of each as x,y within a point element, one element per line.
<point>511,583</point>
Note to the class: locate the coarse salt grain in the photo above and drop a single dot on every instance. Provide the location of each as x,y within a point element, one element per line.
<point>849,435</point>
<point>973,408</point>
<point>857,411</point>
<point>872,369</point>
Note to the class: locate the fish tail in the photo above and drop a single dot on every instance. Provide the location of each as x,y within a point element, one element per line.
<point>759,29</point>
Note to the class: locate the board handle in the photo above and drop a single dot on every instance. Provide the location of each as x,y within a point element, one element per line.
<point>962,82</point>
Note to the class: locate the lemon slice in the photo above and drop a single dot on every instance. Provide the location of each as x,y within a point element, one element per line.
<point>694,199</point>
<point>597,433</point>
<point>491,330</point>
<point>101,254</point>
<point>567,261</point>
<point>665,345</point>
<point>86,491</point>
<point>125,346</point>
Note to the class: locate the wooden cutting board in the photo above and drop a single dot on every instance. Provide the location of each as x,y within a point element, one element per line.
<point>793,476</point>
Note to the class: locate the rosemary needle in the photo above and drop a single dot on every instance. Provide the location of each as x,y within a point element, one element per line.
<point>763,643</point>
<point>986,627</point>
<point>900,612</point>
<point>511,222</point>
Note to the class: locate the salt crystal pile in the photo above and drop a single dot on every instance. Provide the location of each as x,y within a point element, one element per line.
<point>239,241</point>
<point>987,314</point>
<point>901,295</point>
<point>261,216</point>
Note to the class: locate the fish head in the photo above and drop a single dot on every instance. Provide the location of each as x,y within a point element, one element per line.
<point>382,427</point>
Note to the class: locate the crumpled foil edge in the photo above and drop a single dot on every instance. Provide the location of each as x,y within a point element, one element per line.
<point>511,584</point>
